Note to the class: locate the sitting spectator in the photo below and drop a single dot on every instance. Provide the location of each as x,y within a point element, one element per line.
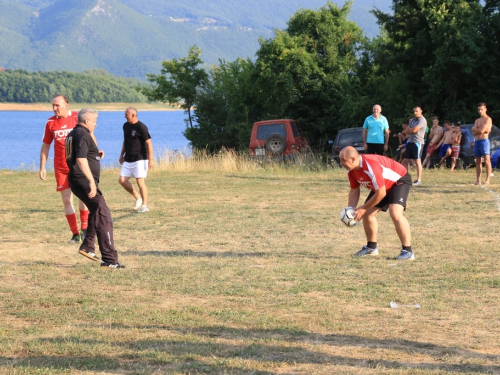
<point>455,145</point>
<point>402,139</point>
<point>445,143</point>
<point>435,135</point>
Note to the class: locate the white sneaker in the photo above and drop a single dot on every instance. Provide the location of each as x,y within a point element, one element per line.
<point>138,204</point>
<point>143,209</point>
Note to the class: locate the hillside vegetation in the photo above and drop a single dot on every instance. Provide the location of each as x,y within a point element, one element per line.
<point>97,86</point>
<point>130,37</point>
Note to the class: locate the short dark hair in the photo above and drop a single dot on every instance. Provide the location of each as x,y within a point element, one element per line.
<point>417,106</point>
<point>481,104</point>
<point>446,122</point>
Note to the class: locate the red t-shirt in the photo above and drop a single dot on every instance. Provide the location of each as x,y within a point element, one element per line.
<point>376,171</point>
<point>56,130</point>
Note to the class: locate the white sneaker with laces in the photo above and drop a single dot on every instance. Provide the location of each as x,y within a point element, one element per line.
<point>138,204</point>
<point>143,209</point>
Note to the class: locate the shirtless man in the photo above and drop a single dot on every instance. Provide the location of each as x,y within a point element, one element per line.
<point>481,131</point>
<point>445,144</point>
<point>435,135</point>
<point>455,146</point>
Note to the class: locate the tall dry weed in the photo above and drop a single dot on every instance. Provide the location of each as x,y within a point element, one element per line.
<point>231,161</point>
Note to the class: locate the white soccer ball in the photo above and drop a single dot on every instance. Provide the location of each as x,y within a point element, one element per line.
<point>347,216</point>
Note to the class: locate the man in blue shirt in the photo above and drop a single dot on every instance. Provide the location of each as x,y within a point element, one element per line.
<point>376,132</point>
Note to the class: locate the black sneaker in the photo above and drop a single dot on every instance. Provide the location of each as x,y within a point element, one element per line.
<point>109,265</point>
<point>88,254</point>
<point>76,238</point>
<point>83,234</point>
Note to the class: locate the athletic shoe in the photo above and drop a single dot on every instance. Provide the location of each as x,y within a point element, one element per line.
<point>109,265</point>
<point>365,250</point>
<point>406,255</point>
<point>83,234</point>
<point>89,254</point>
<point>417,182</point>
<point>143,209</point>
<point>76,238</point>
<point>138,204</point>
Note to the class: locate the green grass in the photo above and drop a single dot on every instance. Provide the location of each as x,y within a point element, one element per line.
<point>249,271</point>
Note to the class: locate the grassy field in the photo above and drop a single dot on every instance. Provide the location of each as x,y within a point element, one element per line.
<point>242,268</point>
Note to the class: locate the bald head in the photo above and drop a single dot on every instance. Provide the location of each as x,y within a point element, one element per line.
<point>131,115</point>
<point>349,158</point>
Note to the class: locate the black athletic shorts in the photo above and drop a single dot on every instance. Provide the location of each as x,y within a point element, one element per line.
<point>398,194</point>
<point>375,148</point>
<point>414,150</point>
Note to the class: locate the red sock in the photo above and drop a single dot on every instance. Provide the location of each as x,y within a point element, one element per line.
<point>84,219</point>
<point>73,223</point>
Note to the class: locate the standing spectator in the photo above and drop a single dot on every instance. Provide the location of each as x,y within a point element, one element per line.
<point>83,159</point>
<point>390,185</point>
<point>376,132</point>
<point>56,129</point>
<point>414,147</point>
<point>435,136</point>
<point>480,131</point>
<point>136,158</point>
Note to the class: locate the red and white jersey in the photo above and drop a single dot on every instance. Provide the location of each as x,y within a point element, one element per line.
<point>56,130</point>
<point>376,171</point>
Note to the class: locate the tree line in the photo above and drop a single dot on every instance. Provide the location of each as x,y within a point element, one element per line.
<point>94,86</point>
<point>322,71</point>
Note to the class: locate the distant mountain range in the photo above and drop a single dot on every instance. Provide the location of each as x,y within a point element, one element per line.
<point>130,38</point>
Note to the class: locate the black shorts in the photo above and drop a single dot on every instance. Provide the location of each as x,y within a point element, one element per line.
<point>414,150</point>
<point>398,194</point>
<point>375,148</point>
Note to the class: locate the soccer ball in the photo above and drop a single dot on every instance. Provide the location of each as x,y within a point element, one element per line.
<point>347,216</point>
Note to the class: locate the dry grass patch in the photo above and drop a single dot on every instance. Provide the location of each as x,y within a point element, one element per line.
<point>247,270</point>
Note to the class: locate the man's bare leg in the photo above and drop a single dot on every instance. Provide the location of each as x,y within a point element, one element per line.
<point>487,163</point>
<point>479,170</point>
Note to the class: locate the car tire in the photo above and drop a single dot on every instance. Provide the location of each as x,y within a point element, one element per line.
<point>276,144</point>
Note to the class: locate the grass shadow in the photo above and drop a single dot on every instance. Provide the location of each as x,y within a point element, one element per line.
<point>265,346</point>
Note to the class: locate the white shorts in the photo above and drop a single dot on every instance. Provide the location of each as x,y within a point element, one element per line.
<point>137,169</point>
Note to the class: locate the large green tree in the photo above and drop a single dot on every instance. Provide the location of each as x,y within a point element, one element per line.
<point>227,104</point>
<point>431,55</point>
<point>178,82</point>
<point>306,70</point>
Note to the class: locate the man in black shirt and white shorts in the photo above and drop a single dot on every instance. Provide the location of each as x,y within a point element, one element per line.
<point>136,158</point>
<point>83,159</point>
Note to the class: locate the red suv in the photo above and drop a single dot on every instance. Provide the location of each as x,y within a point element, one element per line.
<point>277,138</point>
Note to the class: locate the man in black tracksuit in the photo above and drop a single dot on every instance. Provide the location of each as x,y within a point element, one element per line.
<point>83,159</point>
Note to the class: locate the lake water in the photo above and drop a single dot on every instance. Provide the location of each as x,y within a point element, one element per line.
<point>23,132</point>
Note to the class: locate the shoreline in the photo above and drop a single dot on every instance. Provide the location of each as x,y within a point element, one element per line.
<point>47,107</point>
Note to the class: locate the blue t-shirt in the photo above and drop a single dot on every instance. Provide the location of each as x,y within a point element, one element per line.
<point>376,129</point>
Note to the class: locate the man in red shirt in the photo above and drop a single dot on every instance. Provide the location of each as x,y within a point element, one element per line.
<point>390,185</point>
<point>56,129</point>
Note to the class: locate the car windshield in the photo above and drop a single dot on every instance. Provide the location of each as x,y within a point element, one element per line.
<point>350,138</point>
<point>264,131</point>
